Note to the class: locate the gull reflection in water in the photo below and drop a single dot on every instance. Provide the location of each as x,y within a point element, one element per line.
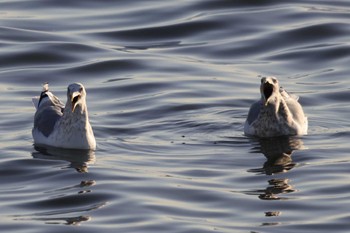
<point>65,221</point>
<point>79,159</point>
<point>278,153</point>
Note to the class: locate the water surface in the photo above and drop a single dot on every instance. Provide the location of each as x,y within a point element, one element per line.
<point>169,86</point>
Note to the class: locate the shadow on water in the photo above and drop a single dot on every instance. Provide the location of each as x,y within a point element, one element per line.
<point>79,159</point>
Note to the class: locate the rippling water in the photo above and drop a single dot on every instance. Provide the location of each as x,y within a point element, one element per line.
<point>169,86</point>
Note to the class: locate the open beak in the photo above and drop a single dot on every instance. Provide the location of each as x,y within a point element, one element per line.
<point>75,97</point>
<point>267,90</point>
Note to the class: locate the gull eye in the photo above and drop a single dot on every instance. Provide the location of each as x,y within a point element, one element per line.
<point>81,89</point>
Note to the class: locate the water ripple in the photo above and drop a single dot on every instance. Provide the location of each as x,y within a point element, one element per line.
<point>169,85</point>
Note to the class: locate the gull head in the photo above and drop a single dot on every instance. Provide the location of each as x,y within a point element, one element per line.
<point>76,96</point>
<point>269,90</point>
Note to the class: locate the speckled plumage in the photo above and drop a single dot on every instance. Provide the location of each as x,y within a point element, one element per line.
<point>277,113</point>
<point>63,126</point>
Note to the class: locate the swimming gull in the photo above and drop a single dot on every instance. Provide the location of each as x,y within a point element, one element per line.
<point>277,113</point>
<point>62,126</point>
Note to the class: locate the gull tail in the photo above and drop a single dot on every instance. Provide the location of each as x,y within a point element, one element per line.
<point>45,87</point>
<point>36,99</point>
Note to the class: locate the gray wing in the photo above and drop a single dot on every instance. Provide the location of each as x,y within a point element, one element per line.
<point>294,106</point>
<point>57,102</point>
<point>287,95</point>
<point>254,111</point>
<point>45,119</point>
<point>49,109</point>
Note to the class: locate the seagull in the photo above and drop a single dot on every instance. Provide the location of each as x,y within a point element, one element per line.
<point>62,126</point>
<point>277,113</point>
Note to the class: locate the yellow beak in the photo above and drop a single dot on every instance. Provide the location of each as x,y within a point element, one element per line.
<point>266,102</point>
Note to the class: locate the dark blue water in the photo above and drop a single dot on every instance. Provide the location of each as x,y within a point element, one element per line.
<point>169,85</point>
